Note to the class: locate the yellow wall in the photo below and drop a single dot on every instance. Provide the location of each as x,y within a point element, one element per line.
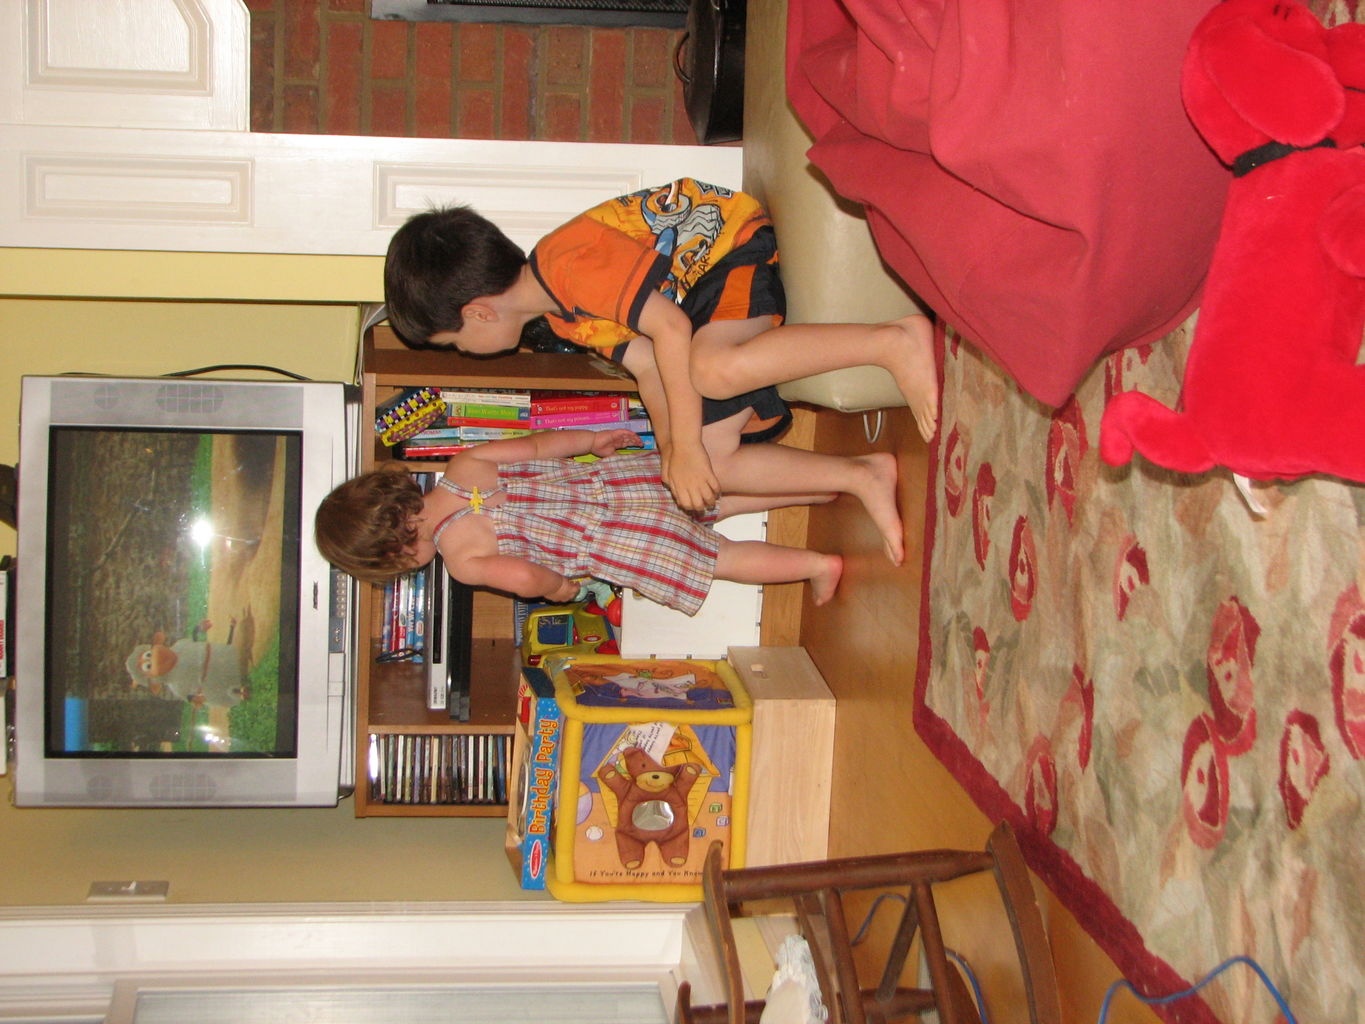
<point>152,313</point>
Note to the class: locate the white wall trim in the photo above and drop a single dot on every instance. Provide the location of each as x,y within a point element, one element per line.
<point>77,187</point>
<point>73,956</point>
<point>187,191</point>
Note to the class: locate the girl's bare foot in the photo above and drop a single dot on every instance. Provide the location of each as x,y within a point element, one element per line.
<point>826,579</point>
<point>878,495</point>
<point>915,370</point>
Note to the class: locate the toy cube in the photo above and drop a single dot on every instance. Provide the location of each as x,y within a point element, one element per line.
<point>654,767</point>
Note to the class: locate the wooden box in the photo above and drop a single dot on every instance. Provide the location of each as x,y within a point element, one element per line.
<point>793,754</point>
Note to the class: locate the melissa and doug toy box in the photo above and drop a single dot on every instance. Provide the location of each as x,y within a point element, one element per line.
<point>535,775</point>
<point>653,768</point>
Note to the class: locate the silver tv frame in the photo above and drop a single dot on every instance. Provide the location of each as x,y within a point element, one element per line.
<point>326,417</point>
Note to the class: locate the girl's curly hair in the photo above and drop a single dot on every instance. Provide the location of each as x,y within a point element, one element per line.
<point>364,526</point>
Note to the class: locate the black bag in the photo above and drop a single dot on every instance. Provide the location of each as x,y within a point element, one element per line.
<point>709,59</point>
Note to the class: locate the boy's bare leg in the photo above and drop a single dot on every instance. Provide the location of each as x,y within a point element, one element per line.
<point>756,561</point>
<point>771,469</point>
<point>730,357</point>
<point>739,504</point>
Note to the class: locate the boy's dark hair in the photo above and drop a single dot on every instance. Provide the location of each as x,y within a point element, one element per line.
<point>437,263</point>
<point>363,526</point>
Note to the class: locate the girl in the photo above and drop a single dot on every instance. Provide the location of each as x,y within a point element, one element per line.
<point>519,516</point>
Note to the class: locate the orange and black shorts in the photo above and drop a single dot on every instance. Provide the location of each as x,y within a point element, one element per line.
<point>744,284</point>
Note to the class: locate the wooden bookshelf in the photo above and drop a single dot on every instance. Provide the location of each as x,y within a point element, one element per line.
<point>391,697</point>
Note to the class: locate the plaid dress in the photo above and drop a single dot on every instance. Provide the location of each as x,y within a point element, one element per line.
<point>612,519</point>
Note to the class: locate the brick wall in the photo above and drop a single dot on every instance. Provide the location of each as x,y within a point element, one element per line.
<point>324,67</point>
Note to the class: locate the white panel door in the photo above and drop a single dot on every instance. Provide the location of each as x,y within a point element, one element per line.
<point>97,151</point>
<point>125,63</point>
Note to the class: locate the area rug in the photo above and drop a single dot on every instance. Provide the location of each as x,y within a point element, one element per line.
<point>1161,691</point>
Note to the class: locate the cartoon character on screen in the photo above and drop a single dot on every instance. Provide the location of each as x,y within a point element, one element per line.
<point>652,806</point>
<point>191,668</point>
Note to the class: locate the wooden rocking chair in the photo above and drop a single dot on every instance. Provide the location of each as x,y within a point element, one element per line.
<point>816,889</point>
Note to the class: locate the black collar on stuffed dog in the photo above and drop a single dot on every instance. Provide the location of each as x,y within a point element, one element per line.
<point>1254,158</point>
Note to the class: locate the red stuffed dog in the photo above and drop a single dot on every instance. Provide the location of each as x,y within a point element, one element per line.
<point>1271,387</point>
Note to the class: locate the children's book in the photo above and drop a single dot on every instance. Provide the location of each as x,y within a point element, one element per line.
<point>577,419</point>
<point>431,451</point>
<point>484,411</point>
<point>552,405</point>
<point>456,422</point>
<point>491,433</point>
<point>640,425</point>
<point>487,396</point>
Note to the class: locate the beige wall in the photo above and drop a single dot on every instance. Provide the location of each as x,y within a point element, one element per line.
<point>154,313</point>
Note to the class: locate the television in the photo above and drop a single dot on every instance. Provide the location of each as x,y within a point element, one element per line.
<point>180,642</point>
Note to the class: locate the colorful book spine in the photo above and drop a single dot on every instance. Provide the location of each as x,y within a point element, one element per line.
<point>558,405</point>
<point>433,451</point>
<point>639,426</point>
<point>400,613</point>
<point>433,433</point>
<point>485,411</point>
<point>465,396</point>
<point>576,419</point>
<point>417,611</point>
<point>483,421</point>
<point>492,433</point>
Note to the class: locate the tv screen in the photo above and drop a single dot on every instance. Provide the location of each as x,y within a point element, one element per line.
<point>173,558</point>
<point>184,642</point>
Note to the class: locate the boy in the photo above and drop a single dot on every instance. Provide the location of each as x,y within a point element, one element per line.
<point>519,517</point>
<point>679,284</point>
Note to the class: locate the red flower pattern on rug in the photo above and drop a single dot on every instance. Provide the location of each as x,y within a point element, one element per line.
<point>1163,693</point>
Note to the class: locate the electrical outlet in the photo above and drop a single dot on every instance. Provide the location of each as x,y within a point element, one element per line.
<point>128,892</point>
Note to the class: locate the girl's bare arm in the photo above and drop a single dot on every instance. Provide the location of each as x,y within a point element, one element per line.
<point>544,444</point>
<point>514,576</point>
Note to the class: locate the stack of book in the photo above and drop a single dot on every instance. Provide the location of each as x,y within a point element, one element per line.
<point>565,410</point>
<point>403,633</point>
<point>406,605</point>
<point>463,768</point>
<point>473,417</point>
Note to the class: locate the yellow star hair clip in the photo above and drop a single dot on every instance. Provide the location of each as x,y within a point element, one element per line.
<point>476,501</point>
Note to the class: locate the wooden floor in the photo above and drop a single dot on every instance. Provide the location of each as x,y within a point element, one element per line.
<point>889,793</point>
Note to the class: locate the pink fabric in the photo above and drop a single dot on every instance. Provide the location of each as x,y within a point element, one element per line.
<point>1027,167</point>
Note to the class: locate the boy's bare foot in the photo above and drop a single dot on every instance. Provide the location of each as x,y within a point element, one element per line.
<point>826,579</point>
<point>916,372</point>
<point>878,495</point>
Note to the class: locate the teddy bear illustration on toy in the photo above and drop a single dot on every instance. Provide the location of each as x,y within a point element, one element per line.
<point>652,806</point>
<point>1271,387</point>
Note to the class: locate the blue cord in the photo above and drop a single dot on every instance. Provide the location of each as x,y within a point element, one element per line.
<point>966,967</point>
<point>977,994</point>
<point>1159,1000</point>
<point>1109,995</point>
<point>871,913</point>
